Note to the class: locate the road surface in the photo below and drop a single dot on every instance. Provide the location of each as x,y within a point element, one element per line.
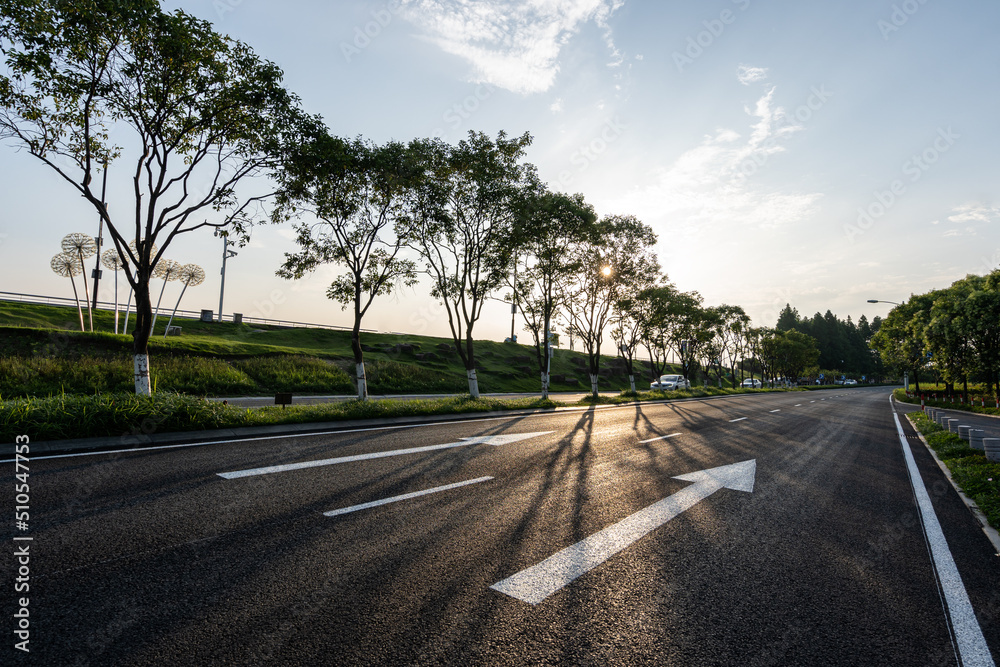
<point>582,537</point>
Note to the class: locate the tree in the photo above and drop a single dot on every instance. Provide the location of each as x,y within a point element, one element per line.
<point>357,192</point>
<point>202,113</point>
<point>731,334</point>
<point>900,338</point>
<point>615,259</point>
<point>549,226</point>
<point>652,307</point>
<point>466,209</point>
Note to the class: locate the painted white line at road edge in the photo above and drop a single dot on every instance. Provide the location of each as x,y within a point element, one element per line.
<point>405,496</point>
<point>662,437</point>
<point>969,638</point>
<point>538,582</point>
<point>503,439</point>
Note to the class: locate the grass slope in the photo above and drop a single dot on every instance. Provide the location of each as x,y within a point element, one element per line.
<point>42,353</point>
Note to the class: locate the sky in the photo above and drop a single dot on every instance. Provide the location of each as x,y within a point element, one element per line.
<point>812,153</point>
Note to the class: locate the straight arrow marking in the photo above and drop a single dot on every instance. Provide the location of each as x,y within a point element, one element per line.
<point>538,582</point>
<point>405,496</point>
<point>504,439</point>
<point>662,437</point>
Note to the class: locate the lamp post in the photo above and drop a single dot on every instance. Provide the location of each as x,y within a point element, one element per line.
<point>880,301</point>
<point>226,254</point>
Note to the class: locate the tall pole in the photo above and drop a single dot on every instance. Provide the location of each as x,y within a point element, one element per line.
<point>226,253</point>
<point>100,239</point>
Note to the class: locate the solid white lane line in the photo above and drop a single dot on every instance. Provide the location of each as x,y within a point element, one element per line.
<point>798,405</point>
<point>479,439</point>
<point>737,420</point>
<point>405,496</point>
<point>662,437</point>
<point>969,638</point>
<point>775,410</point>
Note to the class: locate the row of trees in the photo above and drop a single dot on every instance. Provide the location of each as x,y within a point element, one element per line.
<point>211,139</point>
<point>954,331</point>
<point>844,346</point>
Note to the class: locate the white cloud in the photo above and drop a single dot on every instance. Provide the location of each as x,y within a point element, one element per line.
<point>974,213</point>
<point>747,74</point>
<point>515,44</point>
<point>557,106</point>
<point>710,186</point>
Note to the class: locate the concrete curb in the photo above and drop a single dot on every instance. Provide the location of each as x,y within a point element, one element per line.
<point>990,531</point>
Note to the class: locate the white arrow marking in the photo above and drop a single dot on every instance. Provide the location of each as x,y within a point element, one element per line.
<point>504,439</point>
<point>405,496</point>
<point>536,583</point>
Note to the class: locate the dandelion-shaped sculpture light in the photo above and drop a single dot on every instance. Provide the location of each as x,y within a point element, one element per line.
<point>111,261</point>
<point>169,270</point>
<point>189,274</point>
<point>128,302</point>
<point>81,246</point>
<point>67,265</point>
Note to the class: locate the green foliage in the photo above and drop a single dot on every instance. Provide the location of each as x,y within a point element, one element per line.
<point>977,476</point>
<point>129,416</point>
<point>294,373</point>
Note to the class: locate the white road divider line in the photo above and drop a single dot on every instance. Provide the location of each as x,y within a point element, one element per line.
<point>969,638</point>
<point>496,440</point>
<point>536,583</point>
<point>405,496</point>
<point>775,410</point>
<point>737,420</point>
<point>662,437</point>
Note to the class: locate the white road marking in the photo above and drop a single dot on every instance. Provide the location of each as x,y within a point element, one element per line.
<point>496,440</point>
<point>798,405</point>
<point>536,583</point>
<point>737,420</point>
<point>405,496</point>
<point>662,437</point>
<point>775,410</point>
<point>969,638</point>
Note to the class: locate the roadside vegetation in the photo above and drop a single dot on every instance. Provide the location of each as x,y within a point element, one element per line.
<point>978,402</point>
<point>978,477</point>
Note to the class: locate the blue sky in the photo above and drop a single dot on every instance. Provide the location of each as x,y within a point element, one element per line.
<point>814,153</point>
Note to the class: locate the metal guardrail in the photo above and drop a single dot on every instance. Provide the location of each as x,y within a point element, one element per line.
<point>182,314</point>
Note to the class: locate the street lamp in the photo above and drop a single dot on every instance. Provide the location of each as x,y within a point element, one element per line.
<point>880,301</point>
<point>226,254</point>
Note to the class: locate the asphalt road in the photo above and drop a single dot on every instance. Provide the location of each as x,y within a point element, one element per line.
<point>223,554</point>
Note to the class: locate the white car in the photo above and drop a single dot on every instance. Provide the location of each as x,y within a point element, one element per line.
<point>670,383</point>
<point>752,383</point>
<point>850,382</point>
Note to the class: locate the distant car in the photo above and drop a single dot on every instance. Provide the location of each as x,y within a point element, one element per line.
<point>847,382</point>
<point>752,383</point>
<point>670,383</point>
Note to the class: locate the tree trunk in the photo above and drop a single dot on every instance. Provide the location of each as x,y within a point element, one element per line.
<point>631,382</point>
<point>359,357</point>
<point>593,384</point>
<point>473,383</point>
<point>545,385</point>
<point>362,382</point>
<point>140,339</point>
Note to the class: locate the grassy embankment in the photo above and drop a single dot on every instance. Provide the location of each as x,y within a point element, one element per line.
<point>978,477</point>
<point>59,383</point>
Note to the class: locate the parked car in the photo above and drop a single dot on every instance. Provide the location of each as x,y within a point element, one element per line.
<point>847,382</point>
<point>670,383</point>
<point>752,383</point>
